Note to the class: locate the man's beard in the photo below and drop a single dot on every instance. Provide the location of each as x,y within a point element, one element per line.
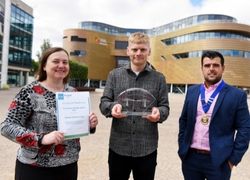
<point>213,81</point>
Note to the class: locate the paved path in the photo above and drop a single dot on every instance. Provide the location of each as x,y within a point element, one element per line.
<point>93,157</point>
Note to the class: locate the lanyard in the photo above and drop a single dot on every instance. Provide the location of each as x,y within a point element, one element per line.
<point>206,106</point>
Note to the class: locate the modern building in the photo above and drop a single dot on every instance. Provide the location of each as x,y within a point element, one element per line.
<point>176,49</point>
<point>16,33</point>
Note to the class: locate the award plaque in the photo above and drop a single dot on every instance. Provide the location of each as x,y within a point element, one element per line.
<point>136,102</point>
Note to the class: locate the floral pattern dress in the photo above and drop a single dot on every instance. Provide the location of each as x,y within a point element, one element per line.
<point>30,114</point>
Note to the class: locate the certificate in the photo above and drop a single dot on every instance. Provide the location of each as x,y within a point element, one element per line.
<point>73,110</point>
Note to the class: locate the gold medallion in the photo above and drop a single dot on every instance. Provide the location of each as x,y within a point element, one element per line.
<point>205,120</point>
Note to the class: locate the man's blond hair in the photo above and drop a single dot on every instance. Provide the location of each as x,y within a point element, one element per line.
<point>138,38</point>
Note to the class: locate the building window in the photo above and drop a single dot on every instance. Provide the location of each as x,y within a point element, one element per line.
<point>20,41</point>
<point>94,83</point>
<point>121,44</point>
<point>204,35</point>
<point>78,53</point>
<point>179,88</point>
<point>122,61</point>
<point>224,52</point>
<point>181,55</point>
<point>163,58</point>
<point>21,19</point>
<point>78,39</point>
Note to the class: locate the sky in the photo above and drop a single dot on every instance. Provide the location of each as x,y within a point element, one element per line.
<point>52,17</point>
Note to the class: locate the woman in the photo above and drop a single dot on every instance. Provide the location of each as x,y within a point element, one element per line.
<point>31,121</point>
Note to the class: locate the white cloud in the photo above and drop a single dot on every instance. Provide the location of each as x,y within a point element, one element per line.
<point>236,8</point>
<point>51,17</point>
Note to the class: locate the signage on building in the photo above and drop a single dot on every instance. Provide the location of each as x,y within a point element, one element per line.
<point>101,41</point>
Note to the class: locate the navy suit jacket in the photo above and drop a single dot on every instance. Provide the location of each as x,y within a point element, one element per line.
<point>229,130</point>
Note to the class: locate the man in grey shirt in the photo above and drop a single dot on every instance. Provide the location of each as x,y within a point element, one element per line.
<point>134,139</point>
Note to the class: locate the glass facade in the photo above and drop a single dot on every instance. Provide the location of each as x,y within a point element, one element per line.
<point>205,35</point>
<point>180,24</point>
<point>20,46</point>
<point>106,28</point>
<point>224,52</point>
<point>21,30</point>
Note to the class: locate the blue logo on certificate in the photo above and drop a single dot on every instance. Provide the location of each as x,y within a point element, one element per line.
<point>60,96</point>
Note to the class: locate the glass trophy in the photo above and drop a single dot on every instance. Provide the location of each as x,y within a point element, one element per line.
<point>136,102</point>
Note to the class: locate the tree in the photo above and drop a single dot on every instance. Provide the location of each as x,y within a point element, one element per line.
<point>46,45</point>
<point>34,68</point>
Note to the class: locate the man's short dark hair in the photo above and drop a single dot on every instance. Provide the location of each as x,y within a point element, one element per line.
<point>212,55</point>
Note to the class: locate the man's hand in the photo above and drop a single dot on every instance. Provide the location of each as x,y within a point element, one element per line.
<point>154,116</point>
<point>117,111</point>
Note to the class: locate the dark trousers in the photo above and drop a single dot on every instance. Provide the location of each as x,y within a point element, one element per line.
<point>198,166</point>
<point>28,172</point>
<point>120,167</point>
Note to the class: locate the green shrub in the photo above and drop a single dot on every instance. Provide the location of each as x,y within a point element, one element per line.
<point>78,74</point>
<point>78,71</point>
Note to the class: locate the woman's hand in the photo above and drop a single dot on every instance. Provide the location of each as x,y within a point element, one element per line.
<point>93,121</point>
<point>54,137</point>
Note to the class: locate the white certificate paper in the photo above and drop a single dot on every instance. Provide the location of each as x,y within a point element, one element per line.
<point>73,110</point>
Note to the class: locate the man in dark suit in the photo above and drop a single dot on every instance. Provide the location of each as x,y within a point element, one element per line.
<point>214,127</point>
